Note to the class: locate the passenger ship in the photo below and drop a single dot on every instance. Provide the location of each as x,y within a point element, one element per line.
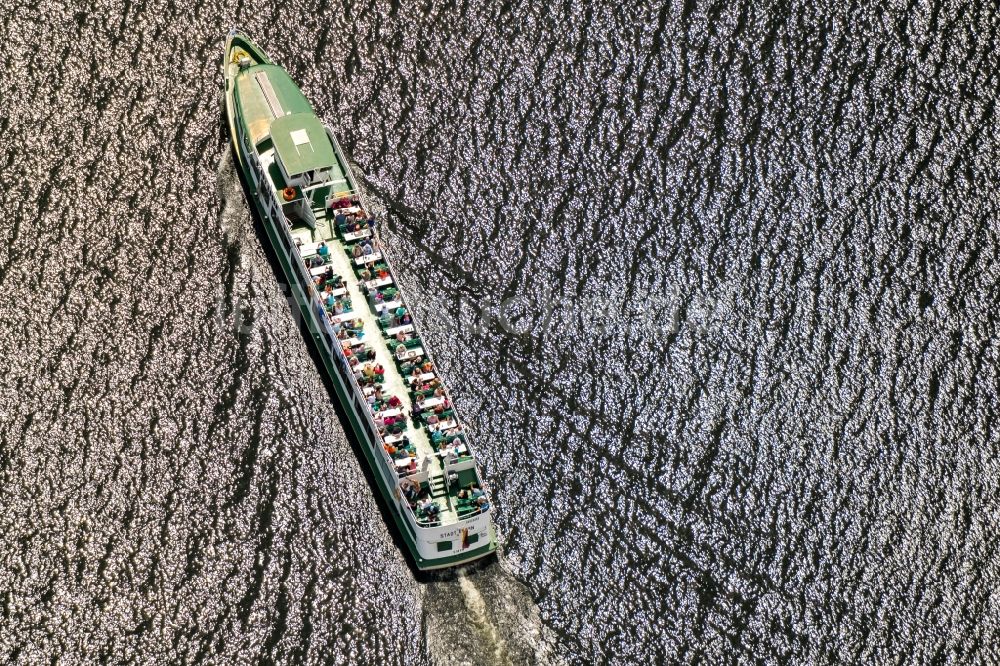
<point>328,245</point>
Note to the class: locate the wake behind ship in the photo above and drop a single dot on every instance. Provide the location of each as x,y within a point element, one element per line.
<point>329,248</point>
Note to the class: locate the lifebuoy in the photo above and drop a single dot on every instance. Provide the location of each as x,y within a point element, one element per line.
<point>288,193</point>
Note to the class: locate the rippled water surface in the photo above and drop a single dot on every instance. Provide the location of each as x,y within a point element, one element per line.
<point>714,284</point>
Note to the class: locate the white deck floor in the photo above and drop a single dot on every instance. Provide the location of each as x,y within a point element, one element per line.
<point>394,384</point>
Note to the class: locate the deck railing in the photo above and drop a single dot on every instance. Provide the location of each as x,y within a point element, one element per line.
<point>277,217</point>
<point>366,205</point>
<point>273,210</point>
<point>275,214</point>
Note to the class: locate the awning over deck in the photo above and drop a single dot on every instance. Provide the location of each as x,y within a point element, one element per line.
<point>265,92</point>
<point>302,144</point>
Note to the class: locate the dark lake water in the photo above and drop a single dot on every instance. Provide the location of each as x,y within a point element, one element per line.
<point>714,284</point>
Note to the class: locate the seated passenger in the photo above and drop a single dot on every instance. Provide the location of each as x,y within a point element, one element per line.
<point>367,248</point>
<point>483,503</point>
<point>410,489</point>
<point>357,252</point>
<point>323,250</point>
<point>476,491</point>
<point>394,402</point>
<point>401,352</point>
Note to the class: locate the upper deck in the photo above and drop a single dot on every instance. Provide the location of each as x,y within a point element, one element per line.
<point>422,440</point>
